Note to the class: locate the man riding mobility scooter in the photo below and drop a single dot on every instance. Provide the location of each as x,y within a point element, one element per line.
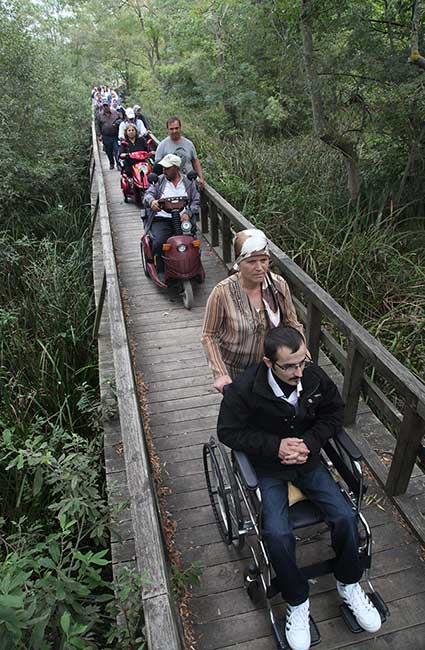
<point>283,421</point>
<point>169,248</point>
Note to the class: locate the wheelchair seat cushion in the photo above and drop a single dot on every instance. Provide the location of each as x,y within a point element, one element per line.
<point>305,513</point>
<point>294,495</point>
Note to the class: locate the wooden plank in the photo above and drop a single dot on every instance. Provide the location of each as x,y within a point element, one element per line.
<point>185,440</point>
<point>185,403</point>
<point>185,387</point>
<point>179,454</point>
<point>185,415</point>
<point>185,426</point>
<point>158,376</point>
<point>182,484</point>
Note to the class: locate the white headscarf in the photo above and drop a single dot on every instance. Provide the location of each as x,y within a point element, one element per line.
<point>254,242</point>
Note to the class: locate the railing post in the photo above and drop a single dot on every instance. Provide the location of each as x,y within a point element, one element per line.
<point>99,309</point>
<point>95,211</point>
<point>226,238</point>
<point>214,224</point>
<point>93,167</point>
<point>353,378</point>
<point>204,212</point>
<point>313,330</point>
<point>409,439</point>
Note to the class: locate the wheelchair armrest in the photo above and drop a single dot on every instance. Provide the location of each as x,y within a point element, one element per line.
<point>348,445</point>
<point>246,469</point>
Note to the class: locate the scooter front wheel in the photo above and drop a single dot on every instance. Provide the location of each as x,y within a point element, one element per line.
<point>187,294</point>
<point>137,193</point>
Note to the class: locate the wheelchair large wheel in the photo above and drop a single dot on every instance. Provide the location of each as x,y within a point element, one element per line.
<point>223,493</point>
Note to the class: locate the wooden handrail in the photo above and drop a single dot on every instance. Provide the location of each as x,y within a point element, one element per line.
<point>161,621</point>
<point>219,216</point>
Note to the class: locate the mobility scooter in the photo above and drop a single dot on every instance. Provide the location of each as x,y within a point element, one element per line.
<point>181,251</point>
<point>135,186</point>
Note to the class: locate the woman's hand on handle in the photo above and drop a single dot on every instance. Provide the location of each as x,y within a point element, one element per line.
<point>221,382</point>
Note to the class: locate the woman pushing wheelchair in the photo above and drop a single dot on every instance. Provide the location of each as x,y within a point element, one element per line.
<point>280,410</point>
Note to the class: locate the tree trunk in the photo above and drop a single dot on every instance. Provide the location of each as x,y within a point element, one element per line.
<point>326,132</point>
<point>415,57</point>
<point>410,164</point>
<point>228,105</point>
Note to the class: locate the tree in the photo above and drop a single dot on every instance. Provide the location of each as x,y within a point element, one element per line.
<point>326,131</point>
<point>415,57</point>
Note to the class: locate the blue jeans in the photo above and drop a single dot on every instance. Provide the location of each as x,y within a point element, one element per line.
<point>111,147</point>
<point>320,488</point>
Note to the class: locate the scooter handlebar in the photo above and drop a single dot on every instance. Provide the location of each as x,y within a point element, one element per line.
<point>170,204</point>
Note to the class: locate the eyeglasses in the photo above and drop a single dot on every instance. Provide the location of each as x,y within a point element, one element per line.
<point>293,366</point>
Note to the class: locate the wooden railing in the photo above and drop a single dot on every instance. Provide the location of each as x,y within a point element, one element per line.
<point>219,219</point>
<point>161,621</point>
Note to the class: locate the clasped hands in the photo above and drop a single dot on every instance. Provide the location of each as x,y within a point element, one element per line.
<point>293,451</point>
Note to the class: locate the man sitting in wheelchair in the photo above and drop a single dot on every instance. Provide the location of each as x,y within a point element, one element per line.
<point>280,413</point>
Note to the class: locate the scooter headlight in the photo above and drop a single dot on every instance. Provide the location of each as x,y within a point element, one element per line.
<point>186,227</point>
<point>182,248</point>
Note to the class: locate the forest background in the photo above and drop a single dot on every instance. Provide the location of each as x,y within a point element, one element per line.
<point>308,116</point>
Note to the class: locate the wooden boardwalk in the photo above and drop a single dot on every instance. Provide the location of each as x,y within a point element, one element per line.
<point>183,410</point>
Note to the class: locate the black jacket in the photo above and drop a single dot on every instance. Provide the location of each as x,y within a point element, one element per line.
<point>140,144</point>
<point>252,419</point>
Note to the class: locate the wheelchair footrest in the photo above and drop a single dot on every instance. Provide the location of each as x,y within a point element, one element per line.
<point>350,620</point>
<point>279,632</point>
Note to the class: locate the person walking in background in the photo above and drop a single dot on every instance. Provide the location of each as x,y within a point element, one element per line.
<point>130,118</point>
<point>242,308</point>
<point>106,131</point>
<point>182,147</point>
<point>139,116</point>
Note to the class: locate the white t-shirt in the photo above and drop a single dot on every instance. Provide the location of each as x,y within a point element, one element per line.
<point>172,190</point>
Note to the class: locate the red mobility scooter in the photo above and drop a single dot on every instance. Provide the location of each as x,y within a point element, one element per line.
<point>181,251</point>
<point>135,186</point>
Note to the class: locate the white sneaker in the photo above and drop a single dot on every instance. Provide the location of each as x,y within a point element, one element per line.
<point>367,616</point>
<point>297,626</point>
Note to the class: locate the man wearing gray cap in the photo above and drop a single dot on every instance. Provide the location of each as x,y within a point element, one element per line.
<point>177,144</point>
<point>170,184</point>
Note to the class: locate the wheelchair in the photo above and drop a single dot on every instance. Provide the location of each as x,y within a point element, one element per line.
<point>236,502</point>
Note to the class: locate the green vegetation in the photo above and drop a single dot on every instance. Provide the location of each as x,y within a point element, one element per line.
<point>55,573</point>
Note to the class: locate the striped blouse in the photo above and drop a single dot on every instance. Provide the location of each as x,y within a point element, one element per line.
<point>233,330</point>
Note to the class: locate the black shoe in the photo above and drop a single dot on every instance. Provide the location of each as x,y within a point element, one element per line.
<point>111,166</point>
